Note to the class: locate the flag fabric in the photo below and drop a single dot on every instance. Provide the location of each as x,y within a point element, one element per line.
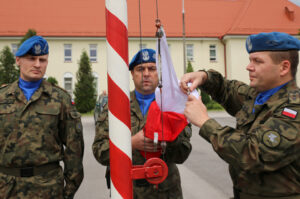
<point>165,115</point>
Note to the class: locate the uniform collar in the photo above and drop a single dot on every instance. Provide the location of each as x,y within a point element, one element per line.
<point>283,93</point>
<point>14,89</point>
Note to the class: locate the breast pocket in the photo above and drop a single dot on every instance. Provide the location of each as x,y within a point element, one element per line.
<point>46,118</point>
<point>7,117</point>
<point>8,123</point>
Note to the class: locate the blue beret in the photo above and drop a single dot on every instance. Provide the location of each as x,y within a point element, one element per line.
<point>146,55</point>
<point>35,46</point>
<point>273,41</point>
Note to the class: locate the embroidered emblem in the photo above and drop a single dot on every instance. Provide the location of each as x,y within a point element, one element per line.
<point>249,44</point>
<point>271,139</point>
<point>289,113</point>
<point>146,55</point>
<point>45,48</point>
<point>37,49</point>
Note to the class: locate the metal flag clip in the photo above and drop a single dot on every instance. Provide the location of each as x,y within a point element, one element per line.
<point>155,141</point>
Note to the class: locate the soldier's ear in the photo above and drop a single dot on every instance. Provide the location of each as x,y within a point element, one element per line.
<point>285,67</point>
<point>18,61</point>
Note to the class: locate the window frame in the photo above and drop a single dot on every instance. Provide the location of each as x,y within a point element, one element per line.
<point>212,48</point>
<point>68,76</point>
<point>190,50</point>
<point>93,47</point>
<point>14,48</point>
<point>67,58</point>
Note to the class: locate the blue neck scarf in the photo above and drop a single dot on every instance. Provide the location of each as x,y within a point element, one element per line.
<point>29,88</point>
<point>264,96</point>
<point>144,101</point>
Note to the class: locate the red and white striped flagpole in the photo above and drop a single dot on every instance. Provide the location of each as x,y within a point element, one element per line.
<point>118,99</point>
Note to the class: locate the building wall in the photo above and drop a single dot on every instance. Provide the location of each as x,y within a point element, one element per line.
<point>237,59</point>
<point>58,68</point>
<point>236,56</point>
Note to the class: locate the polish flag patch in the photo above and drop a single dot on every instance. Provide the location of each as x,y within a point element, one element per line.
<point>289,113</point>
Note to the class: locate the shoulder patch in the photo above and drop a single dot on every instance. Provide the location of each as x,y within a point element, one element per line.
<point>271,139</point>
<point>289,113</point>
<point>294,97</point>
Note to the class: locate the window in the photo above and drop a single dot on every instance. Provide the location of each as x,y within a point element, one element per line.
<point>212,53</point>
<point>68,52</point>
<point>14,48</point>
<point>143,46</point>
<point>93,52</point>
<point>190,52</point>
<point>68,78</point>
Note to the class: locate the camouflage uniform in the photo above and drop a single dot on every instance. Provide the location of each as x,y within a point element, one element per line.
<point>263,151</point>
<point>176,153</point>
<point>44,130</point>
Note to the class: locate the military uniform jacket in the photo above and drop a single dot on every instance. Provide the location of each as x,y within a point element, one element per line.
<point>263,151</point>
<point>176,153</point>
<point>45,129</point>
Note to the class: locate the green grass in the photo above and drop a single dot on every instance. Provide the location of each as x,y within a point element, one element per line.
<point>212,105</point>
<point>88,113</point>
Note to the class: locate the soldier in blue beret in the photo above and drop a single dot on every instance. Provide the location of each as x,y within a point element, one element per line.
<point>143,56</point>
<point>145,77</point>
<point>39,127</point>
<point>263,151</point>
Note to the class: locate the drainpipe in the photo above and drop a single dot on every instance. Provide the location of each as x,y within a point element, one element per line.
<point>225,55</point>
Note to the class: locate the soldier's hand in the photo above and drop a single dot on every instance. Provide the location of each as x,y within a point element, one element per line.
<point>142,143</point>
<point>195,78</point>
<point>195,111</point>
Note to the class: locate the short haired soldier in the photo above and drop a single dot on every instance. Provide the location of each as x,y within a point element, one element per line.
<point>263,151</point>
<point>145,77</point>
<point>39,127</point>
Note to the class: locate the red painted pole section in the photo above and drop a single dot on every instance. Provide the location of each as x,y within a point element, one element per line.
<point>118,99</point>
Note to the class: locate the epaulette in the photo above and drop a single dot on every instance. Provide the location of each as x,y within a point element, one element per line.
<point>294,97</point>
<point>60,88</point>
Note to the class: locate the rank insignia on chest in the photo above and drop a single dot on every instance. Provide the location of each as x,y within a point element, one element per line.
<point>271,139</point>
<point>289,113</point>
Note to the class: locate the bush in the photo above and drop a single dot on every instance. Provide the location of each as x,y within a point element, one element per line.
<point>8,70</point>
<point>52,80</point>
<point>85,90</point>
<point>213,105</point>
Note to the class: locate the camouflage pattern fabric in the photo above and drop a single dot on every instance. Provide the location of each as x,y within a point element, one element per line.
<point>263,151</point>
<point>45,129</point>
<point>176,153</point>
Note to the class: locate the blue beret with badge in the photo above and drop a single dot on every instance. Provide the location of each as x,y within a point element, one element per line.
<point>35,46</point>
<point>273,41</point>
<point>146,55</point>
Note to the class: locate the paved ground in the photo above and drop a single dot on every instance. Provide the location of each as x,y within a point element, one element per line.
<point>204,174</point>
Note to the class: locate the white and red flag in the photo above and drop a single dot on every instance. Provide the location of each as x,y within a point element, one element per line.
<point>169,99</point>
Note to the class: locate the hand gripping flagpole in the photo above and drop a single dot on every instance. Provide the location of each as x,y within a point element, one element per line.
<point>118,99</point>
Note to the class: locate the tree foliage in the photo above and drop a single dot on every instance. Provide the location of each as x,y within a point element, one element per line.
<point>85,91</point>
<point>8,70</point>
<point>190,67</point>
<point>52,80</point>
<point>30,33</point>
